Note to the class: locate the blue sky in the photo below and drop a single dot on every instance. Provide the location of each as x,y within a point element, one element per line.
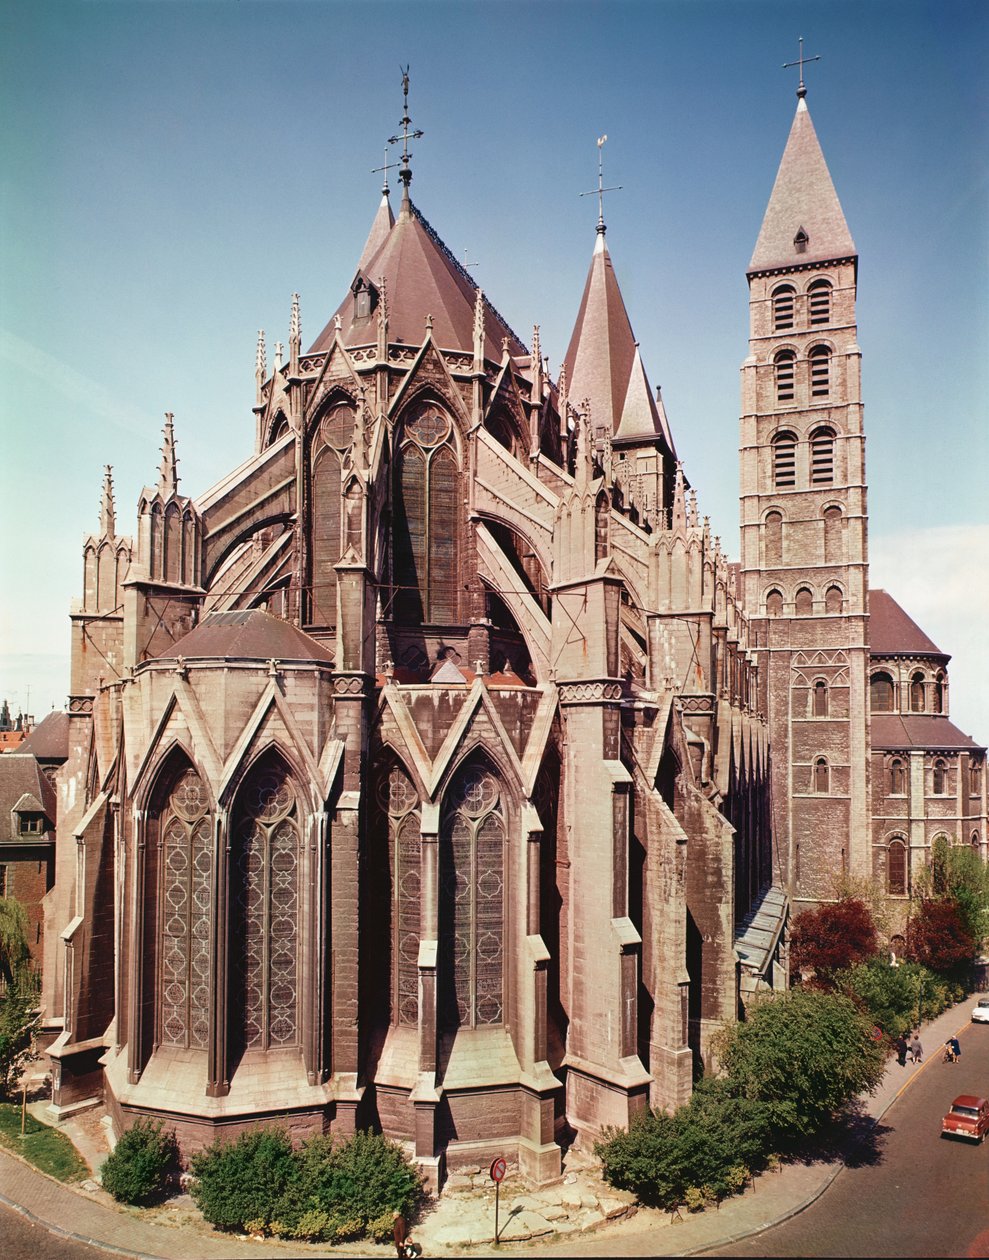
<point>173,172</point>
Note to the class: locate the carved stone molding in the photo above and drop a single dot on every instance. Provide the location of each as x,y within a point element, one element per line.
<point>352,685</point>
<point>589,692</point>
<point>80,704</point>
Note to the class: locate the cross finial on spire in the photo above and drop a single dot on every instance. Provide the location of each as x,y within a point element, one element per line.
<point>405,135</point>
<point>168,476</point>
<point>388,166</point>
<point>601,190</point>
<point>788,65</point>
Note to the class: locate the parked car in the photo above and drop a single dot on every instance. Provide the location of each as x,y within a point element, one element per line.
<point>968,1118</point>
<point>980,1011</point>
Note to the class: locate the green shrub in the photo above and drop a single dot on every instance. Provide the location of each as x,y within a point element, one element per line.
<point>243,1181</point>
<point>18,1022</point>
<point>891,995</point>
<point>141,1164</point>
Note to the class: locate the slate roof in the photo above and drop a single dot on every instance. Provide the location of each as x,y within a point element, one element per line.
<point>21,777</point>
<point>250,634</point>
<point>602,347</point>
<point>49,741</point>
<point>643,416</point>
<point>381,225</point>
<point>919,730</point>
<point>892,632</point>
<point>803,196</point>
<point>421,278</point>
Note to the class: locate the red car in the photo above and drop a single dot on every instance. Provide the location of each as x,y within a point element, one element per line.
<point>968,1118</point>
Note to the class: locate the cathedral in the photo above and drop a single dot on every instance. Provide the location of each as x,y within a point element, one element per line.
<point>437,770</point>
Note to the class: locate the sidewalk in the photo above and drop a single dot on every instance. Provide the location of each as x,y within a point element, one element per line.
<point>567,1219</point>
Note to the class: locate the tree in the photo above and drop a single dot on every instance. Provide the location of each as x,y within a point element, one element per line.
<point>18,1017</point>
<point>938,938</point>
<point>958,874</point>
<point>805,1052</point>
<point>831,938</point>
<point>14,951</point>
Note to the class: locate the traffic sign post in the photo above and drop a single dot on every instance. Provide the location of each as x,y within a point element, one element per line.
<point>497,1170</point>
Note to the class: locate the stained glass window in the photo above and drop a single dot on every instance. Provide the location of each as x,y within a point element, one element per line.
<point>399,801</point>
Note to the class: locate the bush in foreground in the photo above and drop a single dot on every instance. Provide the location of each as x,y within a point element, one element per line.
<point>238,1183</point>
<point>141,1164</point>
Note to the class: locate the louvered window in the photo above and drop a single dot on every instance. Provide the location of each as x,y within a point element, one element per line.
<point>784,460</point>
<point>426,528</point>
<point>896,868</point>
<point>265,911</point>
<point>783,307</point>
<point>820,372</point>
<point>822,457</point>
<point>472,901</point>
<point>785,363</point>
<point>400,803</point>
<point>820,302</point>
<point>184,912</point>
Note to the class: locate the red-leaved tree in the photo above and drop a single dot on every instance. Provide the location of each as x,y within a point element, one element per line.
<point>937,937</point>
<point>834,936</point>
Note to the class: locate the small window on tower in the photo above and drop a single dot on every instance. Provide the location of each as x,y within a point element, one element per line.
<point>784,460</point>
<point>822,457</point>
<point>822,776</point>
<point>820,302</point>
<point>940,778</point>
<point>833,600</point>
<point>783,307</point>
<point>784,363</point>
<point>774,538</point>
<point>800,241</point>
<point>917,693</point>
<point>820,372</point>
<point>774,604</point>
<point>820,698</point>
<point>803,604</point>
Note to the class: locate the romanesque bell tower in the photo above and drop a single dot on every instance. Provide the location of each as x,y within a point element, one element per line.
<point>804,521</point>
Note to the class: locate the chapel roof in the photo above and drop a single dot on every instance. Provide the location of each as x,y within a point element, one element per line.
<point>421,277</point>
<point>803,199</point>
<point>892,632</point>
<point>49,741</point>
<point>902,732</point>
<point>250,634</point>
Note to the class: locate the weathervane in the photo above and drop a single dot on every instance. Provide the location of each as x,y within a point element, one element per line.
<point>788,65</point>
<point>601,190</point>
<point>405,174</point>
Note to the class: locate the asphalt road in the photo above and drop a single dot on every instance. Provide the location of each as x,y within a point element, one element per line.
<point>913,1193</point>
<point>21,1240</point>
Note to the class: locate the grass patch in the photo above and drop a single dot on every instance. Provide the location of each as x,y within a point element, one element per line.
<point>42,1145</point>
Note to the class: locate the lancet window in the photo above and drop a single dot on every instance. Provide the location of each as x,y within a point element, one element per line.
<point>399,803</point>
<point>896,868</point>
<point>426,520</point>
<point>265,907</point>
<point>897,777</point>
<point>185,861</point>
<point>330,440</point>
<point>472,900</point>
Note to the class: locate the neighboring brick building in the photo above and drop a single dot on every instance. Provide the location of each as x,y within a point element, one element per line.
<point>27,841</point>
<point>418,773</point>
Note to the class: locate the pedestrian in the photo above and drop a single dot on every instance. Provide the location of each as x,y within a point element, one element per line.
<point>901,1050</point>
<point>916,1049</point>
<point>953,1047</point>
<point>399,1231</point>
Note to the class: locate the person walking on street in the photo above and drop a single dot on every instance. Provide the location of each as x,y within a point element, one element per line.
<point>916,1049</point>
<point>900,1045</point>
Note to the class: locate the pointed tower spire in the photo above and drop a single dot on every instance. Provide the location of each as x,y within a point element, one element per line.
<point>108,519</point>
<point>168,475</point>
<point>381,225</point>
<point>804,222</point>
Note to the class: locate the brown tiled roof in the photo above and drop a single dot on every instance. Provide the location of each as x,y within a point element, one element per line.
<point>893,633</point>
<point>9,740</point>
<point>250,634</point>
<point>602,348</point>
<point>381,225</point>
<point>802,197</point>
<point>422,278</point>
<point>21,776</point>
<point>919,730</point>
<point>49,741</point>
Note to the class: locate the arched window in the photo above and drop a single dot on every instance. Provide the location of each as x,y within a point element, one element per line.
<point>785,363</point>
<point>917,693</point>
<point>819,301</point>
<point>264,911</point>
<point>183,863</point>
<point>822,457</point>
<point>939,694</point>
<point>820,698</point>
<point>820,371</point>
<point>881,693</point>
<point>472,901</point>
<point>774,604</point>
<point>833,600</point>
<point>833,549</point>
<point>803,603</point>
<point>940,777</point>
<point>976,842</point>
<point>399,804</point>
<point>783,296</point>
<point>426,521</point>
<point>975,778</point>
<point>330,440</point>
<point>897,777</point>
<point>896,868</point>
<point>822,776</point>
<point>774,538</point>
<point>784,460</point>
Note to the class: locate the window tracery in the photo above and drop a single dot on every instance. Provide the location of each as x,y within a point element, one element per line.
<point>399,802</point>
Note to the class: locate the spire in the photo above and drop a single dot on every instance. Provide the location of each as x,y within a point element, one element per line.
<point>168,476</point>
<point>405,135</point>
<point>642,416</point>
<point>108,520</point>
<point>804,222</point>
<point>381,225</point>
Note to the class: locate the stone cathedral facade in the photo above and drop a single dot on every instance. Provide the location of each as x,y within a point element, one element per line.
<point>437,770</point>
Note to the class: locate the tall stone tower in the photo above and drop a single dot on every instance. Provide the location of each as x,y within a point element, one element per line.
<point>804,521</point>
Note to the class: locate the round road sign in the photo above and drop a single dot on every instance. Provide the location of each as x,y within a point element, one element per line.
<point>498,1169</point>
